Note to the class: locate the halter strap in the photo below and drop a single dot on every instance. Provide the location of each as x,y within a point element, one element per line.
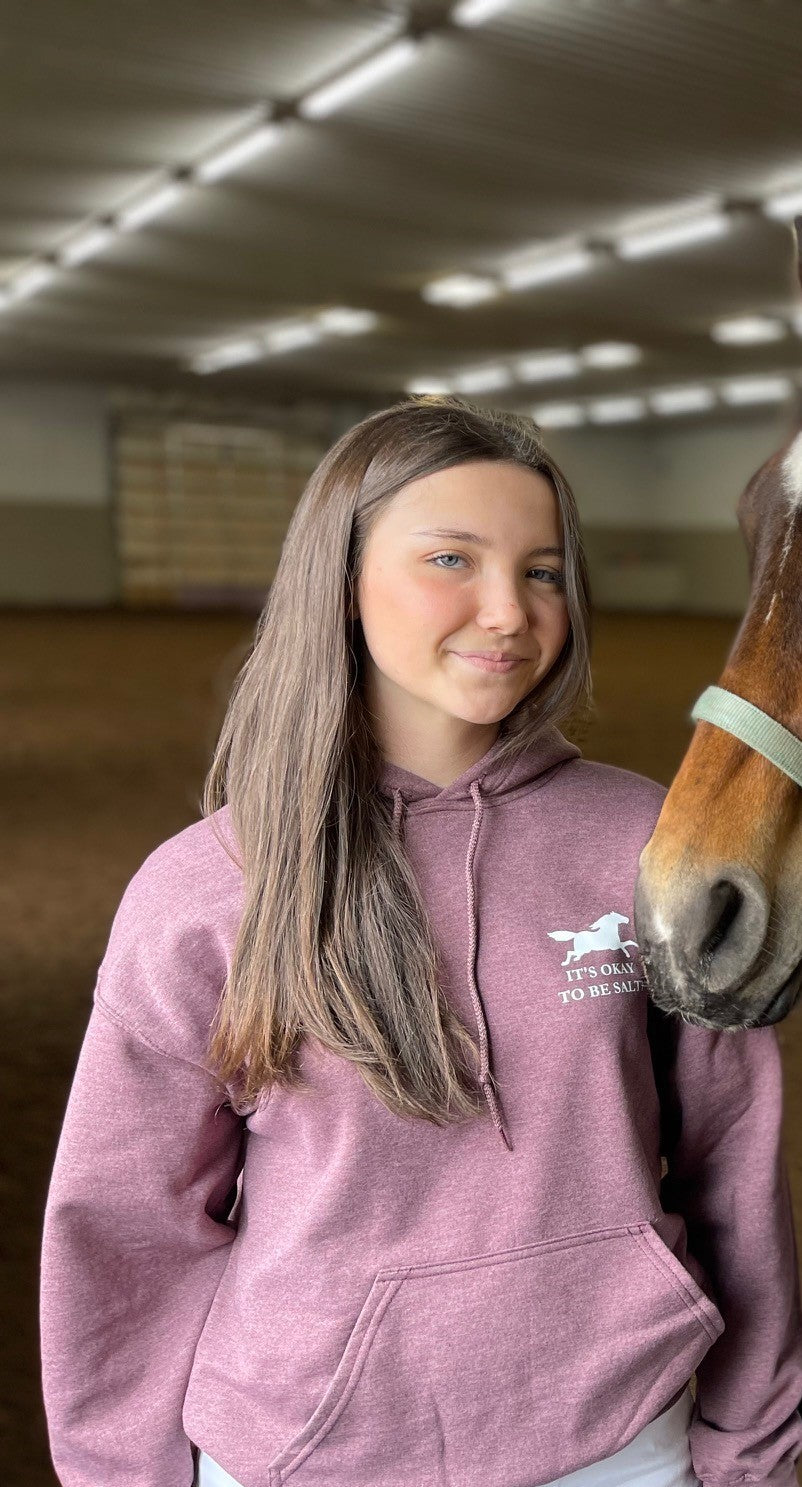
<point>753,727</point>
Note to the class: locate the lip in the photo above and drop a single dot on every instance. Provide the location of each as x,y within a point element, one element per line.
<point>783,1000</point>
<point>485,661</point>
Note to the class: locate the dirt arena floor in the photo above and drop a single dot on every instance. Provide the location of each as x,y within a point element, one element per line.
<point>109,724</point>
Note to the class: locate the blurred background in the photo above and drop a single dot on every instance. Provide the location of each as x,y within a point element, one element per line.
<point>229,232</point>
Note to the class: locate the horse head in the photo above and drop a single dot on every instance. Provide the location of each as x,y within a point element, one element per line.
<point>718,901</point>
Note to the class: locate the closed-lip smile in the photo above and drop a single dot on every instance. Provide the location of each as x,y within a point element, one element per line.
<point>491,655</point>
<point>496,661</point>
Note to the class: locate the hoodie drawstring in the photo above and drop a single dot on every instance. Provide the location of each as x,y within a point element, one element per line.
<point>485,1077</point>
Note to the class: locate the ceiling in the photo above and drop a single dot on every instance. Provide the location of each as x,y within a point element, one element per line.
<point>553,119</point>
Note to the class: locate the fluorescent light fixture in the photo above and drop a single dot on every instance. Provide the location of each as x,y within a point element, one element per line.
<point>475,12</point>
<point>340,320</point>
<point>756,390</point>
<point>545,265</point>
<point>748,330</point>
<point>785,204</point>
<point>31,281</point>
<point>86,245</point>
<point>559,415</point>
<point>291,336</point>
<point>541,366</point>
<point>606,355</point>
<point>423,385</point>
<point>231,355</point>
<point>330,96</point>
<point>677,232</point>
<point>690,399</point>
<point>460,290</point>
<point>489,378</point>
<point>233,155</point>
<point>617,410</point>
<point>150,206</point>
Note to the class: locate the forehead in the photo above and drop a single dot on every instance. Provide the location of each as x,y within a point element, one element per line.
<point>775,490</point>
<point>486,487</point>
<point>792,473</point>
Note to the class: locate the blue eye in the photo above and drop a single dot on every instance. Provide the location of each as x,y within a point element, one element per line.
<point>550,575</point>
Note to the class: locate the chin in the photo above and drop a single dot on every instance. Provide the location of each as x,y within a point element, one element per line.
<point>720,1012</point>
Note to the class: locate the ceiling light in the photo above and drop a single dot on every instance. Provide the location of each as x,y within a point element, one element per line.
<point>545,265</point>
<point>423,385</point>
<point>559,415</point>
<point>342,321</point>
<point>330,96</point>
<point>540,366</point>
<point>230,355</point>
<point>475,12</point>
<point>150,206</point>
<point>86,245</point>
<point>675,233</point>
<point>460,290</point>
<point>609,354</point>
<point>748,330</point>
<point>617,410</point>
<point>785,204</point>
<point>691,399</point>
<point>291,336</point>
<point>489,378</point>
<point>231,156</point>
<point>756,390</point>
<point>31,281</point>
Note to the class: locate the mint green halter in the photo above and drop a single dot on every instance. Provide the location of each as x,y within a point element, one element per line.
<point>753,727</point>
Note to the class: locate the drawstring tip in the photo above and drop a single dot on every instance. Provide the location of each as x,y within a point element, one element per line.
<point>495,1111</point>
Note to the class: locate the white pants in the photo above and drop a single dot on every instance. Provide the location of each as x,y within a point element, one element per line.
<point>659,1456</point>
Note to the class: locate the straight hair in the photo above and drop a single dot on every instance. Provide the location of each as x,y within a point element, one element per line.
<point>334,942</point>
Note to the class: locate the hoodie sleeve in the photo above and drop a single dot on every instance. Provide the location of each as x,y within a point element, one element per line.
<point>135,1237</point>
<point>721,1097</point>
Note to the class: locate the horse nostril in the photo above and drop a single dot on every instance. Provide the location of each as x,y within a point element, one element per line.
<point>724,905</point>
<point>701,930</point>
<point>724,929</point>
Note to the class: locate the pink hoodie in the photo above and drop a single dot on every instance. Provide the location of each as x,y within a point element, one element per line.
<point>381,1302</point>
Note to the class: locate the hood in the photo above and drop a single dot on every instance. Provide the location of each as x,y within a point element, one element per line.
<point>486,779</point>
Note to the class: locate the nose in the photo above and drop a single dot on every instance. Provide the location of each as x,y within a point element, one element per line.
<point>502,609</point>
<point>713,933</point>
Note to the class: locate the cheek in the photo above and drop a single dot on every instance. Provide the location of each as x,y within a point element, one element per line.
<point>559,625</point>
<point>419,600</point>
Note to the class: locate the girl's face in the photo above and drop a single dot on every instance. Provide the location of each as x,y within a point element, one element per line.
<point>489,581</point>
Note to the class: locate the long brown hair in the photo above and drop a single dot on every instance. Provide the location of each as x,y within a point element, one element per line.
<point>334,940</point>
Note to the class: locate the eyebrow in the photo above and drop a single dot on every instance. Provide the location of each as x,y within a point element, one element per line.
<point>459,536</point>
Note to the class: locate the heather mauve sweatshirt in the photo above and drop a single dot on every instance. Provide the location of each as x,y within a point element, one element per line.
<point>327,1293</point>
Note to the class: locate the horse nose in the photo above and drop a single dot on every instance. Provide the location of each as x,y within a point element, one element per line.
<point>718,929</point>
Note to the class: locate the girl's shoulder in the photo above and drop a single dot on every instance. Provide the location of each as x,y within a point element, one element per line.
<point>187,871</point>
<point>600,788</point>
<point>170,941</point>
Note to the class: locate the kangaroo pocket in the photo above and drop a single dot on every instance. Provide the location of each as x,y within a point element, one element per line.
<point>506,1370</point>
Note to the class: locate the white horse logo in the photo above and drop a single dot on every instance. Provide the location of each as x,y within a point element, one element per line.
<point>603,935</point>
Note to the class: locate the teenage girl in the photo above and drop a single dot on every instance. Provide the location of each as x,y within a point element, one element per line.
<point>379,1167</point>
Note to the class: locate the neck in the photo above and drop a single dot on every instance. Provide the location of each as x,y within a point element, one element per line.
<point>440,760</point>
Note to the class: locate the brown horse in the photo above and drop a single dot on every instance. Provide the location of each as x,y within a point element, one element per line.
<point>718,902</point>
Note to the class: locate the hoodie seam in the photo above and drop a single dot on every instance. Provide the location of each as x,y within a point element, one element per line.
<point>731,1481</point>
<point>131,1029</point>
<point>489,799</point>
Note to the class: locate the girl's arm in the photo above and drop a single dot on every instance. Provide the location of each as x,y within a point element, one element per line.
<point>721,1097</point>
<point>135,1236</point>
